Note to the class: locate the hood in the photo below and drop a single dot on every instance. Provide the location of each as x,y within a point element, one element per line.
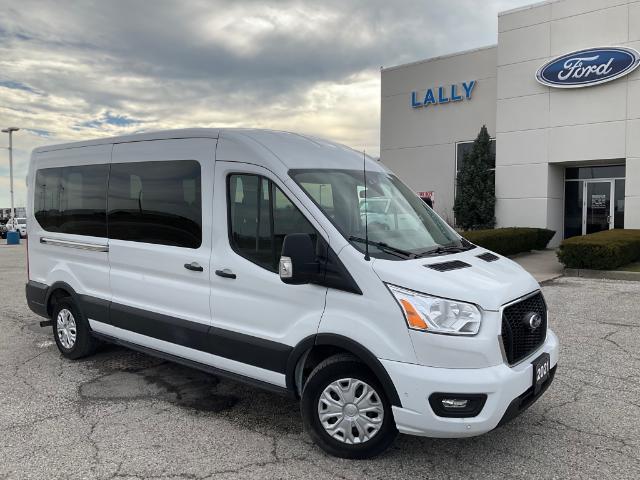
<point>487,284</point>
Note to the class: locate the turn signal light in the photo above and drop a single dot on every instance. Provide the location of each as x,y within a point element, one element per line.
<point>413,318</point>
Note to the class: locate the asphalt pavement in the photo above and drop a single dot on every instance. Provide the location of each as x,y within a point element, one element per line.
<point>121,414</point>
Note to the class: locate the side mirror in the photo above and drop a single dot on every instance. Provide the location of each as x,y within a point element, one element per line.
<point>298,263</point>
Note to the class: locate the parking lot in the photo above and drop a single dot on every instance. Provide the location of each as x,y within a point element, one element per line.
<point>122,414</point>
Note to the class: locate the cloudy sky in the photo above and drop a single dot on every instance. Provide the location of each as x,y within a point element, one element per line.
<point>80,69</point>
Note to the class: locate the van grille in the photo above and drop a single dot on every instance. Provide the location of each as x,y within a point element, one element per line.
<point>518,338</point>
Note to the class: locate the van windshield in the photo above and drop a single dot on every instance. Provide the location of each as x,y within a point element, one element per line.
<point>400,224</point>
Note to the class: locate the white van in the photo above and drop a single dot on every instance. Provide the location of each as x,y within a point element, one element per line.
<point>245,253</point>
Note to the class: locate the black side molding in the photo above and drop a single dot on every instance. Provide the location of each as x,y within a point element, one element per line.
<point>197,365</point>
<point>36,294</point>
<point>240,347</point>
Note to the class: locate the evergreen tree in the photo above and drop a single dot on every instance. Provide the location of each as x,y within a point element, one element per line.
<point>475,202</point>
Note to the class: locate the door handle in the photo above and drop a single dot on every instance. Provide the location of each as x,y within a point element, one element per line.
<point>226,273</point>
<point>193,266</point>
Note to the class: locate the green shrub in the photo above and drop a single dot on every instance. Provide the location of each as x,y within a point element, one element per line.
<point>544,236</point>
<point>509,241</point>
<point>606,250</point>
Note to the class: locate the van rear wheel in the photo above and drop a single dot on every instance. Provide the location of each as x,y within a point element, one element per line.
<point>345,409</point>
<point>71,331</point>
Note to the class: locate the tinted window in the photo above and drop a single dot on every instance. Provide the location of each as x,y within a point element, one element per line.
<point>618,216</point>
<point>260,217</point>
<point>608,171</point>
<point>72,199</point>
<point>156,202</point>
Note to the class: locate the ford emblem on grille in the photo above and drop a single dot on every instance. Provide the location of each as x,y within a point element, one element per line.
<point>588,67</point>
<point>533,320</point>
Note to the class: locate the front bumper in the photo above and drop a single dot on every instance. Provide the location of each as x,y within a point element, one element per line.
<point>506,389</point>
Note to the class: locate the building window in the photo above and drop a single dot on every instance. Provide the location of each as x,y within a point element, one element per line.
<point>464,148</point>
<point>260,216</point>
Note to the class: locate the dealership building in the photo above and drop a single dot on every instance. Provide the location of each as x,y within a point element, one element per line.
<point>560,96</point>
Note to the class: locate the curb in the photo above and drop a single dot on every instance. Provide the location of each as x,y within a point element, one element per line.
<point>602,274</point>
<point>551,279</point>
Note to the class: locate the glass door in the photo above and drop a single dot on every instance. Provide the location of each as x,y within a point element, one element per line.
<point>597,207</point>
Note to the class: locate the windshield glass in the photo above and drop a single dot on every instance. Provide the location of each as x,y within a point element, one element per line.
<point>398,221</point>
<point>22,221</point>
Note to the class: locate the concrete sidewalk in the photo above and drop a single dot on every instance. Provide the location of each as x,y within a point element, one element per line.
<point>542,264</point>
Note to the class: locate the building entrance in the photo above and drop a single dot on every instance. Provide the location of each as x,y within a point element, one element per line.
<point>594,199</point>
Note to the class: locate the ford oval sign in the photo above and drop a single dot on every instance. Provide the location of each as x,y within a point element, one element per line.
<point>592,66</point>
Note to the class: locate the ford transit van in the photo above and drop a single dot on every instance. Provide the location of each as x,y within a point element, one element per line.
<point>252,254</point>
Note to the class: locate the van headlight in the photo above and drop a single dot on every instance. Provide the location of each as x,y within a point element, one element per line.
<point>437,315</point>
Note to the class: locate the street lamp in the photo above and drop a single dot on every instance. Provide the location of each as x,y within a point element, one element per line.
<point>10,130</point>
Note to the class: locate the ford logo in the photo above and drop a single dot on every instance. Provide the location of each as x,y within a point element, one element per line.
<point>592,66</point>
<point>533,320</point>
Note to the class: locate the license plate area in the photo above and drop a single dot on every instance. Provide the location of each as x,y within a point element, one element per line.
<point>541,371</point>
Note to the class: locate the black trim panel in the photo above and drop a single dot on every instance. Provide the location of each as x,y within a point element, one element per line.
<point>36,294</point>
<point>197,365</point>
<point>95,308</point>
<point>216,341</point>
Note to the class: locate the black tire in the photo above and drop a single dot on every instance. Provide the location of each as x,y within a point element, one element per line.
<point>85,344</point>
<point>335,368</point>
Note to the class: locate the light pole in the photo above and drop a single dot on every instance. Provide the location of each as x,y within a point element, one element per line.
<point>10,131</point>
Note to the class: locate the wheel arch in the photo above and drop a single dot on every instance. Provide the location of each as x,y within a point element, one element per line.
<point>327,344</point>
<point>56,291</point>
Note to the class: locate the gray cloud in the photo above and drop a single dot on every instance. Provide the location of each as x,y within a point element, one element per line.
<point>78,69</point>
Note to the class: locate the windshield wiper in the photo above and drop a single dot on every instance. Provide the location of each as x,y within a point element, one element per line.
<point>443,249</point>
<point>384,247</point>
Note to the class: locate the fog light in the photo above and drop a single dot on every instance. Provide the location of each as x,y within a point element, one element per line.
<point>454,403</point>
<point>457,405</point>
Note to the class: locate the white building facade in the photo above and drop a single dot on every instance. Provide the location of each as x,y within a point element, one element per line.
<point>567,158</point>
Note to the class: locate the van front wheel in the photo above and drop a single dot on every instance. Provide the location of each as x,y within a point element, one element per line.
<point>345,410</point>
<point>71,331</point>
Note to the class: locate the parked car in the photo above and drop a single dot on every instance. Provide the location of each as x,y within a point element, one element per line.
<point>19,224</point>
<point>3,231</point>
<point>263,269</point>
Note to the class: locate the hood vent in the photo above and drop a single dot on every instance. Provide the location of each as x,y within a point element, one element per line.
<point>446,266</point>
<point>488,257</point>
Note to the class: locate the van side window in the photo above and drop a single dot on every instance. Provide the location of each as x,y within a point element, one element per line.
<point>260,216</point>
<point>72,200</point>
<point>156,202</point>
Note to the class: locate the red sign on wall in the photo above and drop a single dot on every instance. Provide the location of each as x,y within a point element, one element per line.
<point>428,197</point>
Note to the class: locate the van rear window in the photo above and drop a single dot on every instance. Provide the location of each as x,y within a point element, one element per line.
<point>72,199</point>
<point>153,202</point>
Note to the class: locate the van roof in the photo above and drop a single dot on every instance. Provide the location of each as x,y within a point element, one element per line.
<point>136,137</point>
<point>292,149</point>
